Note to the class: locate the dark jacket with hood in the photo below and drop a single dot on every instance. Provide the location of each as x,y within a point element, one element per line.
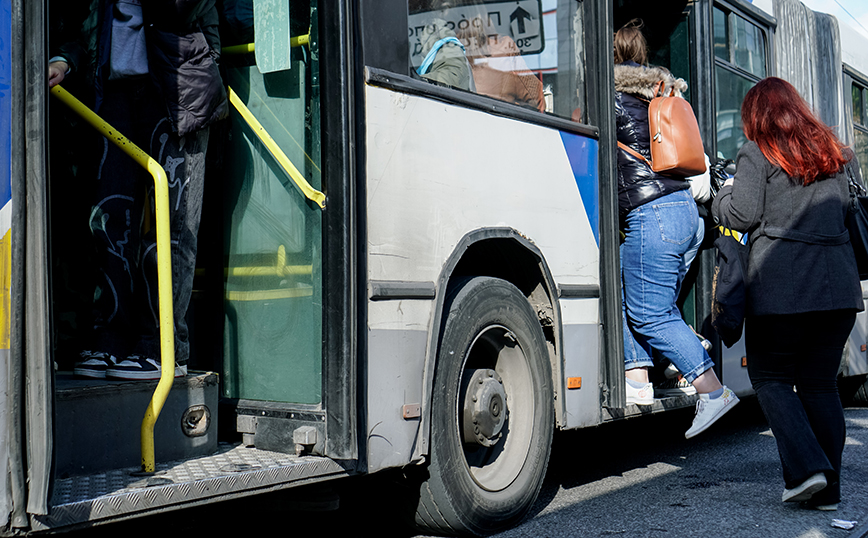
<point>634,89</point>
<point>183,47</point>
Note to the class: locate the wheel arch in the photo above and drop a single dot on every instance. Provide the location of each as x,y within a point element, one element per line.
<point>483,252</point>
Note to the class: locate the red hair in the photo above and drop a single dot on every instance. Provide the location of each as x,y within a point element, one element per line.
<point>788,133</point>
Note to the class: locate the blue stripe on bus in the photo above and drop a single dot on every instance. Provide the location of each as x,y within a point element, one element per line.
<point>582,153</point>
<point>5,101</point>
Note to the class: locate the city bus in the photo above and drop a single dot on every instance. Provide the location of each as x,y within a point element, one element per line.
<point>405,261</point>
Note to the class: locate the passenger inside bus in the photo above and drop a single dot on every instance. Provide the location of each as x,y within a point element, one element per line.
<point>161,90</point>
<point>662,235</point>
<point>443,55</point>
<point>499,70</point>
<point>515,55</point>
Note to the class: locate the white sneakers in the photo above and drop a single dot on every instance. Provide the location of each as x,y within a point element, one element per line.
<point>708,410</point>
<point>640,396</point>
<point>806,490</point>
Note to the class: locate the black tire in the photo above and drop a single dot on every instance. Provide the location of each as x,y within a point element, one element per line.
<point>490,335</point>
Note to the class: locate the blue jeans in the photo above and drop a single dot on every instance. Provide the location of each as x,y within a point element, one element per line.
<point>662,238</point>
<point>802,351</point>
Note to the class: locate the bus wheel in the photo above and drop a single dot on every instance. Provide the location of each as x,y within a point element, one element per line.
<point>492,412</point>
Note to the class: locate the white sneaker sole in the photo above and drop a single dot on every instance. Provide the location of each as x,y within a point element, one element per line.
<point>180,371</point>
<point>805,490</point>
<point>87,372</point>
<point>722,411</point>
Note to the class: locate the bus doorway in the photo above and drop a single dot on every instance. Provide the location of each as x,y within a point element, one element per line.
<point>269,390</point>
<point>669,31</point>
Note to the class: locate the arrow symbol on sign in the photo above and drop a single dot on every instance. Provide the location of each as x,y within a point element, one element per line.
<point>519,15</point>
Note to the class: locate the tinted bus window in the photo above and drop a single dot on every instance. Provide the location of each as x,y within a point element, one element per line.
<point>530,53</point>
<point>860,129</point>
<point>740,62</point>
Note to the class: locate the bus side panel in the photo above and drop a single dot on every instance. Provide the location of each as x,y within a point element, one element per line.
<point>5,236</point>
<point>435,173</point>
<point>581,352</point>
<point>734,368</point>
<point>857,344</point>
<point>397,340</point>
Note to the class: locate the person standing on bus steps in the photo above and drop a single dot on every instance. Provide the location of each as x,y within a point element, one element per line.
<point>662,235</point>
<point>153,69</point>
<point>790,194</point>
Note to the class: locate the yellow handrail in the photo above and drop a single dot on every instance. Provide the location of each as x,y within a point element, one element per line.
<point>164,267</point>
<point>309,192</point>
<point>251,47</point>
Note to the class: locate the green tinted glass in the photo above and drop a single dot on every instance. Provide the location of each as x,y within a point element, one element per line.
<point>861,148</point>
<point>671,54</point>
<point>858,105</point>
<point>730,90</point>
<point>721,35</point>
<point>273,234</point>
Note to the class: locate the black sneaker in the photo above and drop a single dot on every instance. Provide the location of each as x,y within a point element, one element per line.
<point>94,364</point>
<point>672,388</point>
<point>138,367</point>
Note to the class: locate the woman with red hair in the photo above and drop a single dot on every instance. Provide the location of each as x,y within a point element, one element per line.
<point>790,194</point>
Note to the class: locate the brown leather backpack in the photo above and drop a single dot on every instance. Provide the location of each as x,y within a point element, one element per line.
<point>676,145</point>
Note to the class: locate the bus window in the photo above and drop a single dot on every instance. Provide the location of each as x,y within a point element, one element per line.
<point>860,125</point>
<point>671,54</point>
<point>528,53</point>
<point>739,63</point>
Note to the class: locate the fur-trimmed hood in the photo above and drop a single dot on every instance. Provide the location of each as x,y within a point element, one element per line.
<point>635,79</point>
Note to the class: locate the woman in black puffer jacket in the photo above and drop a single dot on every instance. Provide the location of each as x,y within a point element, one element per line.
<point>662,234</point>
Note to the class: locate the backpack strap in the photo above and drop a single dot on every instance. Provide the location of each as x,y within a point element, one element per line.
<point>634,153</point>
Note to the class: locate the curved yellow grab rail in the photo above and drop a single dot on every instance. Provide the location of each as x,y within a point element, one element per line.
<point>305,187</point>
<point>251,47</point>
<point>164,267</point>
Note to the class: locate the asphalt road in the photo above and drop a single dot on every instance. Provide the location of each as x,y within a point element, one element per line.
<point>644,480</point>
<point>635,479</point>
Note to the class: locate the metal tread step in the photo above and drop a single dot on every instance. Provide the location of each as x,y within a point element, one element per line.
<point>233,469</point>
<point>660,405</point>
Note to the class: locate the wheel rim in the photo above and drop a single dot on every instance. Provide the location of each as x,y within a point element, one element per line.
<point>496,349</point>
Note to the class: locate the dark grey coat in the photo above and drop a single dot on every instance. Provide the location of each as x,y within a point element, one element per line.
<point>800,254</point>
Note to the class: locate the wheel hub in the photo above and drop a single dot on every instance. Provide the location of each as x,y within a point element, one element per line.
<point>484,407</point>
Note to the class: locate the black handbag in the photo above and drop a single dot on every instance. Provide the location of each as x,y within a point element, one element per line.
<point>729,286</point>
<point>857,223</point>
<point>720,171</point>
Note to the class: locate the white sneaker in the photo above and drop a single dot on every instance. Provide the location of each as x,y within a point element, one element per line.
<point>806,489</point>
<point>709,410</point>
<point>642,396</point>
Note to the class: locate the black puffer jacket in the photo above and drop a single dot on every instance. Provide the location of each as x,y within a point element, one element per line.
<point>183,49</point>
<point>634,88</point>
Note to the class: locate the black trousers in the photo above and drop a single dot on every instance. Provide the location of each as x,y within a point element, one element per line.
<point>123,224</point>
<point>802,351</point>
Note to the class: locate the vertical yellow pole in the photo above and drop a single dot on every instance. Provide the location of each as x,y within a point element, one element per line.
<point>164,267</point>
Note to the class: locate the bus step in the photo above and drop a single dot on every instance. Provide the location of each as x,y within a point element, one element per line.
<point>231,471</point>
<point>98,422</point>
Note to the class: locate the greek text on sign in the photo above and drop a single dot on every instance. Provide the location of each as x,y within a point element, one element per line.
<point>521,20</point>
